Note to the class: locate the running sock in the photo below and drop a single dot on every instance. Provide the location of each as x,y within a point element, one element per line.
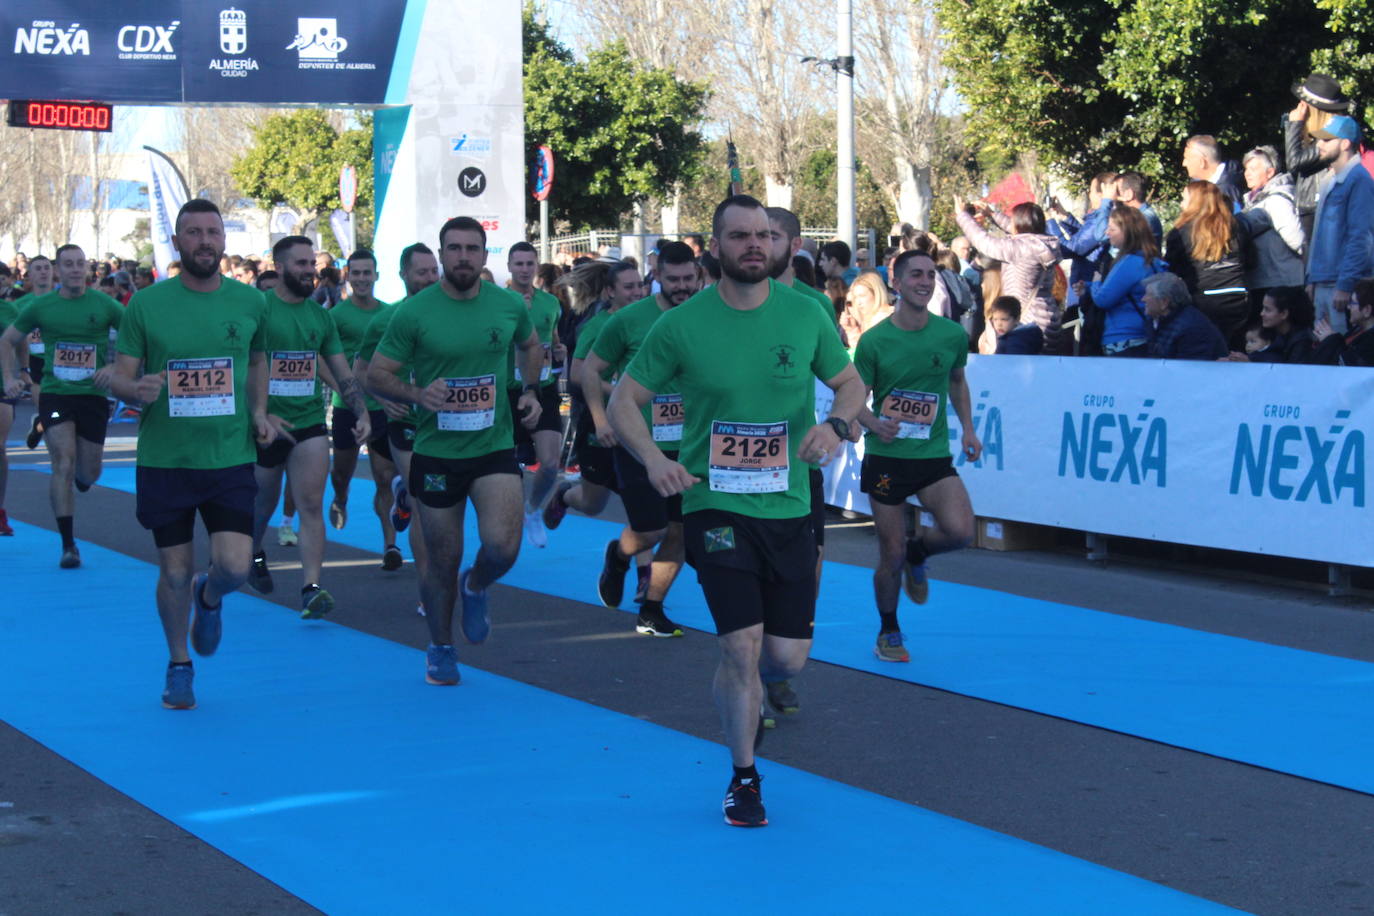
<point>889,623</point>
<point>171,665</point>
<point>649,608</point>
<point>749,772</point>
<point>916,552</point>
<point>64,528</point>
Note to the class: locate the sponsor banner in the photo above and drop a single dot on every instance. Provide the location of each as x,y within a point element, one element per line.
<point>166,195</point>
<point>198,51</point>
<point>1262,459</point>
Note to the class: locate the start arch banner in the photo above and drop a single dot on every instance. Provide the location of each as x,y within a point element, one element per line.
<point>1267,459</point>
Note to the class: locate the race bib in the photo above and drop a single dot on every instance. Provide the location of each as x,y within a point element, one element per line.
<point>914,411</point>
<point>544,372</point>
<point>73,362</point>
<point>666,412</point>
<point>36,344</point>
<point>470,404</point>
<point>748,457</point>
<point>200,387</point>
<point>292,374</point>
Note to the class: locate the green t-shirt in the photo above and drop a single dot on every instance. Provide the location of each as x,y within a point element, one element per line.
<point>8,312</point>
<point>916,366</point>
<point>748,386</point>
<point>821,298</point>
<point>467,342</point>
<point>620,338</point>
<point>376,328</point>
<point>351,321</point>
<point>35,340</point>
<point>78,334</point>
<point>202,418</point>
<point>298,336</point>
<point>544,314</point>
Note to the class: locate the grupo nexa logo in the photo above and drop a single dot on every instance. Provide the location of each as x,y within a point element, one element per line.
<point>147,42</point>
<point>233,31</point>
<point>43,36</point>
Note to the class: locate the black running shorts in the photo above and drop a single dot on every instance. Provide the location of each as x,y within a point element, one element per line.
<point>90,413</point>
<point>645,509</point>
<point>442,483</point>
<point>169,498</point>
<point>275,455</point>
<point>890,481</point>
<point>754,571</point>
<point>549,418</point>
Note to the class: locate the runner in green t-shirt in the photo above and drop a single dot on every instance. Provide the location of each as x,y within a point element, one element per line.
<point>302,344</point>
<point>351,317</point>
<point>617,284</point>
<point>419,269</point>
<point>39,281</point>
<point>913,363</point>
<point>787,241</point>
<point>191,350</point>
<point>76,322</point>
<point>744,354</point>
<point>652,519</point>
<point>8,312</point>
<point>456,335</point>
<point>545,441</point>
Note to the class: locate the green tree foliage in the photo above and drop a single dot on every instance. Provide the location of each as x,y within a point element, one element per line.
<point>295,159</point>
<point>620,132</point>
<point>1093,84</point>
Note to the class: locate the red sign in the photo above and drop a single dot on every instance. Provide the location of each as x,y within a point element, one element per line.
<point>60,115</point>
<point>348,188</point>
<point>543,173</point>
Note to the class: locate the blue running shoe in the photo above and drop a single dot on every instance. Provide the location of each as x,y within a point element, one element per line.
<point>206,626</point>
<point>400,504</point>
<point>178,693</point>
<point>441,666</point>
<point>476,620</point>
<point>915,582</point>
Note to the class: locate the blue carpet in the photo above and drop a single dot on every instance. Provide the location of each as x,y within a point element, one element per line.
<point>320,759</point>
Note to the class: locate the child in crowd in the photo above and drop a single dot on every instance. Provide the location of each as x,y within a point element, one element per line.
<point>1004,316</point>
<point>1257,339</point>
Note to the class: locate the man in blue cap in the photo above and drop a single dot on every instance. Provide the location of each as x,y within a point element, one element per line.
<point>1342,244</point>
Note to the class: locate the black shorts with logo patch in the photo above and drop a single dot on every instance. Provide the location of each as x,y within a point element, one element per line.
<point>341,425</point>
<point>596,462</point>
<point>90,413</point>
<point>442,483</point>
<point>550,420</point>
<point>754,571</point>
<point>645,508</point>
<point>400,435</point>
<point>890,481</point>
<point>275,455</point>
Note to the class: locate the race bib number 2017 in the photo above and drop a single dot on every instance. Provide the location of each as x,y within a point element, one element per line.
<point>200,387</point>
<point>469,404</point>
<point>748,457</point>
<point>73,362</point>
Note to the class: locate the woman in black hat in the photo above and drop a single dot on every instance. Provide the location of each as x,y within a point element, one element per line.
<point>1319,100</point>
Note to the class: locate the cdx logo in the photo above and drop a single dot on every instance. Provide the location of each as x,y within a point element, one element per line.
<point>148,39</point>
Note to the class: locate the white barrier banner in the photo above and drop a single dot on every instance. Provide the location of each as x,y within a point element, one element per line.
<point>1258,458</point>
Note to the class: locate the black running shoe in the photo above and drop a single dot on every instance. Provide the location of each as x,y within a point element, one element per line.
<point>611,585</point>
<point>259,576</point>
<point>392,559</point>
<point>743,805</point>
<point>35,434</point>
<point>656,623</point>
<point>783,698</point>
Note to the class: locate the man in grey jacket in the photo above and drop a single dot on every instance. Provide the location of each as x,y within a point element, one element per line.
<point>1271,217</point>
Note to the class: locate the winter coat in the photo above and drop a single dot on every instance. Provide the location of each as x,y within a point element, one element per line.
<point>1306,166</point>
<point>1028,263</point>
<point>1342,248</point>
<point>1186,334</point>
<point>1276,237</point>
<point>1122,297</point>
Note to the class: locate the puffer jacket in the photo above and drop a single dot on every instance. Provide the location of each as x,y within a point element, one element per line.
<point>1028,263</point>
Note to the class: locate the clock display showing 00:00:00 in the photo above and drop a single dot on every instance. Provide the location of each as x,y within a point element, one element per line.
<point>60,115</point>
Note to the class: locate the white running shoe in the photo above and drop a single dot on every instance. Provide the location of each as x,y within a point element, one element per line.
<point>286,537</point>
<point>535,532</point>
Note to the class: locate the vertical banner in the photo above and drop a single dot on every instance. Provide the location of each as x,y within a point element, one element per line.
<point>342,225</point>
<point>166,195</point>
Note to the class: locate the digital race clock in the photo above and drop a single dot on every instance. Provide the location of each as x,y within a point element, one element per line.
<point>60,115</point>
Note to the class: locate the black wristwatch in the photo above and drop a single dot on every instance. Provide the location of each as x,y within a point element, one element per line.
<point>841,427</point>
<point>530,389</point>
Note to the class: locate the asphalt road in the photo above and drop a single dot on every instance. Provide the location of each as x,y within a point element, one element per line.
<point>1246,837</point>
